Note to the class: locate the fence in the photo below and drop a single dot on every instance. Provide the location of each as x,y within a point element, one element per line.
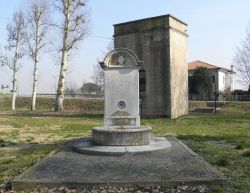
<point>197,97</point>
<point>49,95</point>
<point>238,98</point>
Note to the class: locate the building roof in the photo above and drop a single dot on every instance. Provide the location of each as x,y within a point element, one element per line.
<point>196,64</point>
<point>153,18</point>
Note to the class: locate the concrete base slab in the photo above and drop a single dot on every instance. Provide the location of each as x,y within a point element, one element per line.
<point>165,168</point>
<point>87,146</point>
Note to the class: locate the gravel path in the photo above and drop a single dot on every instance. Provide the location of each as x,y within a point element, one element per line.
<point>179,189</point>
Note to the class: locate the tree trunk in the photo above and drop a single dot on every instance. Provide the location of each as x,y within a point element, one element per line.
<point>64,65</point>
<point>35,81</point>
<point>61,83</point>
<point>14,81</point>
<point>14,89</point>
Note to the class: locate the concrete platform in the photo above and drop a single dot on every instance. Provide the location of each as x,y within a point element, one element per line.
<point>156,144</point>
<point>70,169</point>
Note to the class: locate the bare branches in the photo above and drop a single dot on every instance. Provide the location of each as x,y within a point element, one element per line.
<point>75,21</point>
<point>16,30</point>
<point>7,61</point>
<point>1,59</point>
<point>242,60</point>
<point>37,27</point>
<point>15,40</point>
<point>4,61</point>
<point>98,73</point>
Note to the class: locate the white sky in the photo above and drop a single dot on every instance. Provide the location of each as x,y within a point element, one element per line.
<point>215,29</point>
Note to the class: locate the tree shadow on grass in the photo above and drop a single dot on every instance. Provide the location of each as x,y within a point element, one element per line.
<point>26,148</point>
<point>4,143</point>
<point>232,139</point>
<point>58,114</point>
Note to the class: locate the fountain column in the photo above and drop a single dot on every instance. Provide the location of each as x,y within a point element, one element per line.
<point>121,117</point>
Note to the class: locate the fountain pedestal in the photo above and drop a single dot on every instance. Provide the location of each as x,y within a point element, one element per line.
<point>121,136</point>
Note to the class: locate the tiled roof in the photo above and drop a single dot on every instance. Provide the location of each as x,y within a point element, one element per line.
<point>197,64</point>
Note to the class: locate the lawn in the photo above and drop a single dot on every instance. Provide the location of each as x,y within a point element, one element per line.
<point>222,139</point>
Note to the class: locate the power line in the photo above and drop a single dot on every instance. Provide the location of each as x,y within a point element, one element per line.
<point>100,37</point>
<point>4,18</point>
<point>95,37</point>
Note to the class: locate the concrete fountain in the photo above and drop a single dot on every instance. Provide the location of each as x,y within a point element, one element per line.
<point>122,132</point>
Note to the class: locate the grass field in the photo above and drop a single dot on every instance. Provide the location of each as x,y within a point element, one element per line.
<point>26,137</point>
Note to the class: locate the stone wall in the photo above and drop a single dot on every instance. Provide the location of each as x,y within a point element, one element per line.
<point>161,42</point>
<point>178,68</point>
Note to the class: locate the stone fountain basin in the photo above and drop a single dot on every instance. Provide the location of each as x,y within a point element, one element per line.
<point>121,135</point>
<point>86,146</point>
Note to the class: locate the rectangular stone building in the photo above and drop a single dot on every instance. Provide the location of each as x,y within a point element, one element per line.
<point>161,43</point>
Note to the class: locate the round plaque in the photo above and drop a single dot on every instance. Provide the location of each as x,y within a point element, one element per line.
<point>121,105</point>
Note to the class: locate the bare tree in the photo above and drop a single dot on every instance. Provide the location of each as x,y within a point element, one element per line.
<point>71,89</point>
<point>98,73</point>
<point>37,30</point>
<point>73,30</point>
<point>16,41</point>
<point>242,60</point>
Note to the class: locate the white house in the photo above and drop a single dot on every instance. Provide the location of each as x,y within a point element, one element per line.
<point>222,78</point>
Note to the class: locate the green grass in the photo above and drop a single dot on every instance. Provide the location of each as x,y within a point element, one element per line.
<point>246,153</point>
<point>16,159</point>
<point>47,104</point>
<point>222,162</point>
<point>222,139</point>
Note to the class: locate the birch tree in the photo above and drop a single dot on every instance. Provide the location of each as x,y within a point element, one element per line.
<point>73,30</point>
<point>37,30</point>
<point>15,45</point>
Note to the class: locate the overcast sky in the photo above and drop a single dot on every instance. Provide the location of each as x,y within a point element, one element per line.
<point>215,28</point>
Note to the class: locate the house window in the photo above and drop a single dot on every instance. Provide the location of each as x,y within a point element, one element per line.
<point>213,79</point>
<point>142,80</point>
